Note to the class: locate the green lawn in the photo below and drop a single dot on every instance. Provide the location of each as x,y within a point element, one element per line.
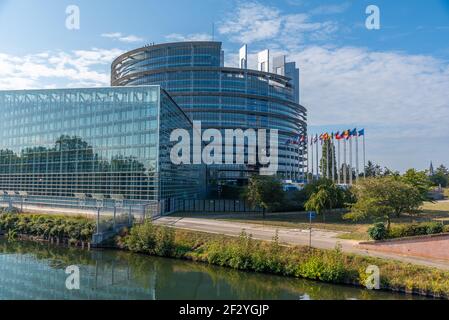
<point>446,192</point>
<point>333,221</point>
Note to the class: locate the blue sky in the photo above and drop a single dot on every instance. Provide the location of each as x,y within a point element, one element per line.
<point>393,81</point>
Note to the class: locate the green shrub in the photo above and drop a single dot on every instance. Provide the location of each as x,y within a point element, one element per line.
<point>47,226</point>
<point>165,241</point>
<point>435,227</point>
<point>142,238</point>
<point>324,266</point>
<point>415,229</point>
<point>378,231</point>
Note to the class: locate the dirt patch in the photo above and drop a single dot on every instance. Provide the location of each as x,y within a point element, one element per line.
<point>433,247</point>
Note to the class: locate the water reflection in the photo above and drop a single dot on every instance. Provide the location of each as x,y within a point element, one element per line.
<point>37,271</point>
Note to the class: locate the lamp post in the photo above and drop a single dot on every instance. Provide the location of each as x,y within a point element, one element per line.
<point>118,202</point>
<point>99,204</point>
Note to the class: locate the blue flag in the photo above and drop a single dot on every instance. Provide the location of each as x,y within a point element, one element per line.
<point>362,132</point>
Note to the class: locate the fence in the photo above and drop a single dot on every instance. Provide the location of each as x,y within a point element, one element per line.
<point>213,206</point>
<point>70,205</point>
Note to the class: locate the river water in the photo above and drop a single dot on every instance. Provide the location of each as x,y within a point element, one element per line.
<point>31,270</point>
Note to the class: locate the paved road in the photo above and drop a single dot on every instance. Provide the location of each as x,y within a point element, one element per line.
<point>322,239</point>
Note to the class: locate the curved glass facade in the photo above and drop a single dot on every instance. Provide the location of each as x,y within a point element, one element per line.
<point>220,97</point>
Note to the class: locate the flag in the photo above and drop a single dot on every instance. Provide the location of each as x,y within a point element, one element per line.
<point>353,133</point>
<point>303,138</point>
<point>362,132</point>
<point>311,141</point>
<point>316,138</point>
<point>346,134</point>
<point>288,141</point>
<point>338,136</point>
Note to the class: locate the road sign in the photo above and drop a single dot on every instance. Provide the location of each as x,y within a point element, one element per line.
<point>312,215</point>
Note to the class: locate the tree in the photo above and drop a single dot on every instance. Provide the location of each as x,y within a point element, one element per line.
<point>419,180</point>
<point>384,198</point>
<point>440,177</point>
<point>325,195</point>
<point>264,191</point>
<point>388,172</point>
<point>373,170</point>
<point>324,165</point>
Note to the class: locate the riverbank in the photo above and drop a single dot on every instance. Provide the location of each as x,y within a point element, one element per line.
<point>247,254</point>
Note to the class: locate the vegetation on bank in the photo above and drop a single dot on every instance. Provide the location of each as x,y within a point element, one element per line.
<point>245,253</point>
<point>47,227</point>
<point>380,232</point>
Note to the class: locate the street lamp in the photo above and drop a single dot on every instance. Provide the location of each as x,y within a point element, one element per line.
<point>118,203</point>
<point>99,204</point>
<point>23,195</point>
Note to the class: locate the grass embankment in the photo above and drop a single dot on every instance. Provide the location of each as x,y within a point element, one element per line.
<point>334,221</point>
<point>245,253</point>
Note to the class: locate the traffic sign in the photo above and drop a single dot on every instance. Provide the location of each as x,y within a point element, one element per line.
<point>312,215</point>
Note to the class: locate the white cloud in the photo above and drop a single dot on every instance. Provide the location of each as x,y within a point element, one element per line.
<point>190,37</point>
<point>254,22</point>
<point>57,69</point>
<point>331,9</point>
<point>123,38</point>
<point>401,99</point>
<point>387,89</point>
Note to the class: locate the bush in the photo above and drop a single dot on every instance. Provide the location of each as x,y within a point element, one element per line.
<point>165,241</point>
<point>416,229</point>
<point>378,231</point>
<point>325,266</point>
<point>151,239</point>
<point>46,226</point>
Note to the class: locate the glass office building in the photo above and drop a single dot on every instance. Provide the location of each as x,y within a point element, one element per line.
<point>194,75</point>
<point>110,141</point>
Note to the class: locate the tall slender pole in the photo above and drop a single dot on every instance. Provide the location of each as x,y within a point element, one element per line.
<point>345,172</point>
<point>350,161</point>
<point>339,162</point>
<point>364,157</point>
<point>357,156</point>
<point>327,142</point>
<point>316,160</point>
<point>313,167</point>
<point>333,159</point>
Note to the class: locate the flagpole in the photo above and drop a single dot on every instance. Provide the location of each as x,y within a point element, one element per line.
<point>339,162</point>
<point>312,161</point>
<point>316,161</point>
<point>344,163</point>
<point>350,161</point>
<point>357,155</point>
<point>333,159</point>
<point>327,159</point>
<point>364,158</point>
